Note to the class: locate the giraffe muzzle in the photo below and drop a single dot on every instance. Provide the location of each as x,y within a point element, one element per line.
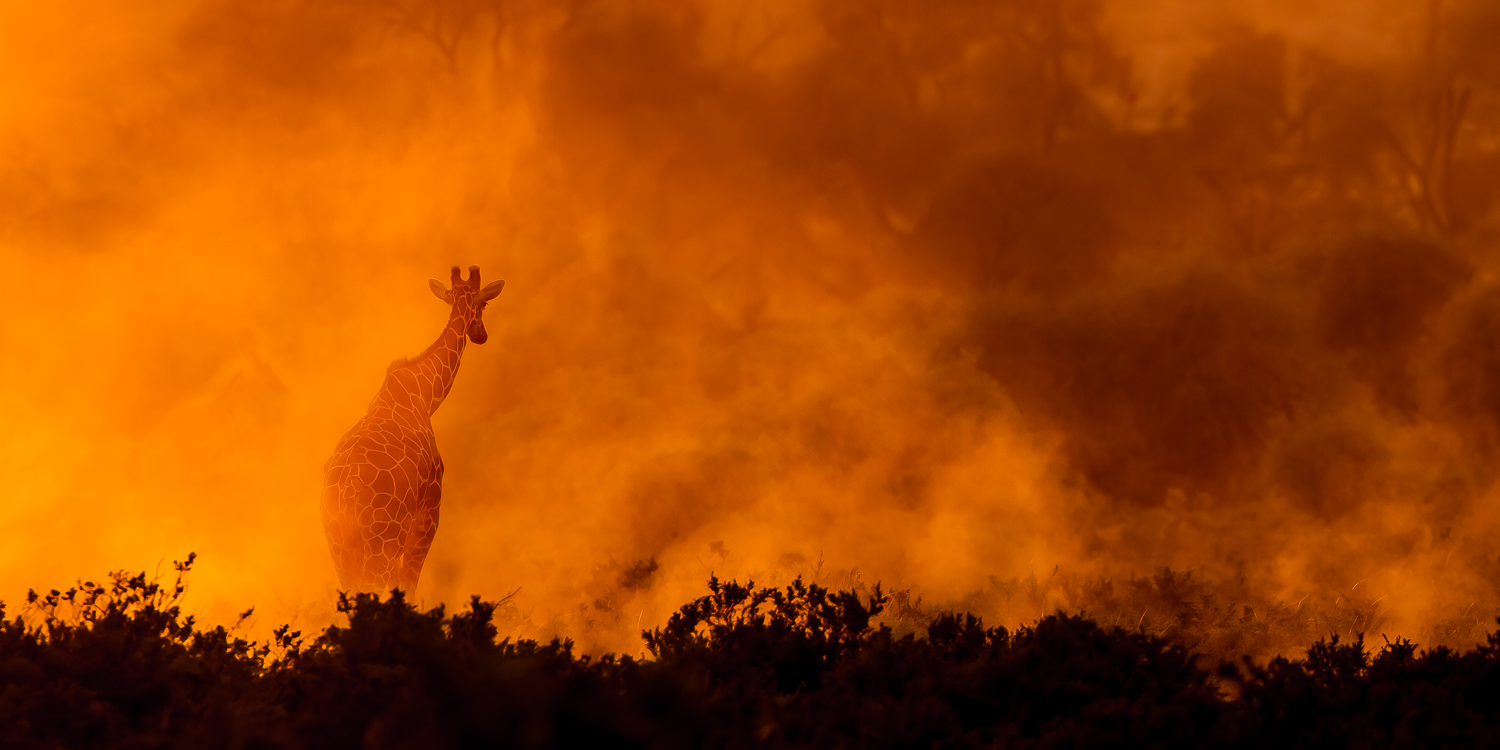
<point>477,333</point>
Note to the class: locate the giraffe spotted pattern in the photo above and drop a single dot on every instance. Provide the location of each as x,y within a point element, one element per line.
<point>382,487</point>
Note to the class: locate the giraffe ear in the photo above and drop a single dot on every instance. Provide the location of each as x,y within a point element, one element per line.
<point>441,291</point>
<point>491,290</point>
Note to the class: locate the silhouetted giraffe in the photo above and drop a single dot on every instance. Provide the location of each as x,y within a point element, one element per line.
<point>383,484</point>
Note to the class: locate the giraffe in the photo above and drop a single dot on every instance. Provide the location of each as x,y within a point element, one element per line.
<point>382,486</point>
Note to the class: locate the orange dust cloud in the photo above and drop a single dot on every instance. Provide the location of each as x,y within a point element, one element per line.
<point>945,297</point>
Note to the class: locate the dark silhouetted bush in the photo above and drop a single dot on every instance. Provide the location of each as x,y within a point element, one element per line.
<point>117,665</point>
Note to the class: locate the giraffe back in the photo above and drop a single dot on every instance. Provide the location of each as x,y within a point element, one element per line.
<point>381,495</point>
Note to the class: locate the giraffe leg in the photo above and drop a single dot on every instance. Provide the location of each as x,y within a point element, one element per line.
<point>419,544</point>
<point>349,561</point>
<point>345,537</point>
<point>423,529</point>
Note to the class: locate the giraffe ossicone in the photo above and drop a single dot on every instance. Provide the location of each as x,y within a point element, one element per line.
<point>383,485</point>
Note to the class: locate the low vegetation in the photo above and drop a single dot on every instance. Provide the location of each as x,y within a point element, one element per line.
<point>119,665</point>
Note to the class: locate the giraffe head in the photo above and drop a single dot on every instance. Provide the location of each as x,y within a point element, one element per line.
<point>468,299</point>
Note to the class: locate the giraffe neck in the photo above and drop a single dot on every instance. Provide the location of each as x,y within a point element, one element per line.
<point>422,382</point>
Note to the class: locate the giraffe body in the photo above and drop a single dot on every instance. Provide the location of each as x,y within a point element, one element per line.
<point>382,487</point>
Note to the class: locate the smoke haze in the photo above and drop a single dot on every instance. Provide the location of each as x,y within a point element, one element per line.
<point>942,298</point>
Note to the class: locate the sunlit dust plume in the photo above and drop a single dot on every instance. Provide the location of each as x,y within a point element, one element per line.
<point>1007,306</point>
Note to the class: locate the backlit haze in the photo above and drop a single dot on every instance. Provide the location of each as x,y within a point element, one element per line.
<point>940,295</point>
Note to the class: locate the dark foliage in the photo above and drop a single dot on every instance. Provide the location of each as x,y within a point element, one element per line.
<point>117,665</point>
